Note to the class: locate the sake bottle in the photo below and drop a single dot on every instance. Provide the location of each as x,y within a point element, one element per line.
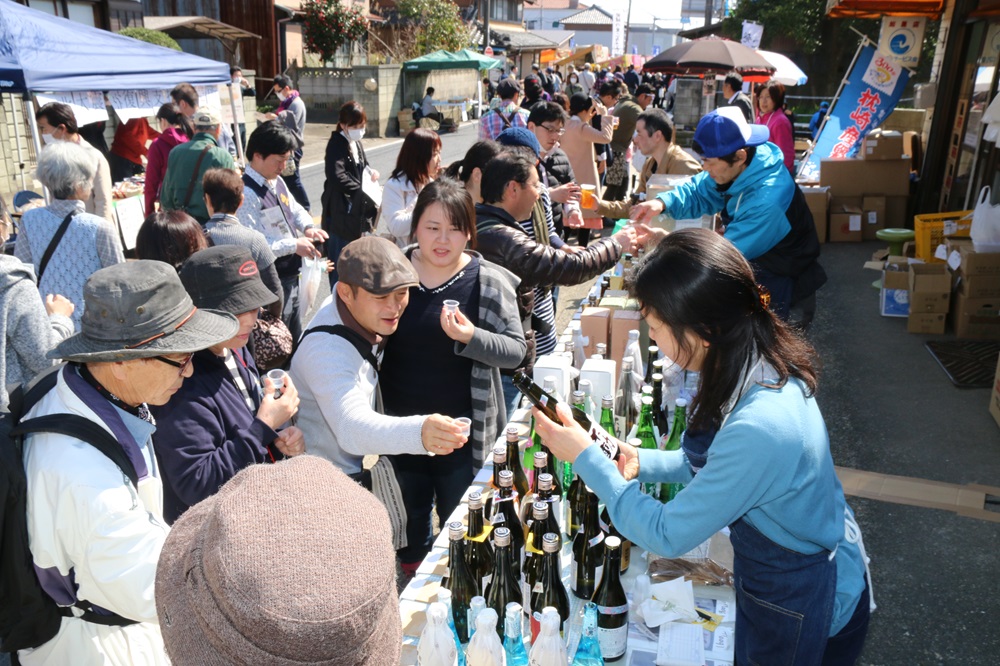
<point>547,648</point>
<point>612,605</point>
<point>549,590</point>
<point>437,644</point>
<point>652,354</point>
<point>668,491</point>
<point>486,648</point>
<point>514,462</point>
<point>478,551</point>
<point>588,550</point>
<point>588,650</point>
<point>610,530</point>
<point>608,415</point>
<point>626,411</point>
<point>461,582</point>
<point>505,515</point>
<point>503,588</point>
<point>513,640</point>
<point>444,597</point>
<point>647,437</point>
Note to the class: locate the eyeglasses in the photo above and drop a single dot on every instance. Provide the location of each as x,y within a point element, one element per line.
<point>181,365</point>
<point>557,132</point>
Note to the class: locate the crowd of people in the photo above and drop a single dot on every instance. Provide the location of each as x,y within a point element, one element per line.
<point>439,294</point>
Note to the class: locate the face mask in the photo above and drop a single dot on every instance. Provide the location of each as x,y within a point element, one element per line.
<point>281,96</point>
<point>355,134</point>
<point>50,139</point>
<point>572,79</point>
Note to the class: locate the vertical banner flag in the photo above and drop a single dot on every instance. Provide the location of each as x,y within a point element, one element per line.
<point>902,37</point>
<point>871,93</point>
<point>752,32</point>
<point>656,50</point>
<point>618,33</point>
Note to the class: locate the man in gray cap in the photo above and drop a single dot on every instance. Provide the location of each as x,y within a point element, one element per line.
<point>95,527</point>
<point>186,166</point>
<point>336,371</point>
<point>244,580</point>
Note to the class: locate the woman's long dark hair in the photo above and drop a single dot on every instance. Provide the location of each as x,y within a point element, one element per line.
<point>696,281</point>
<point>478,156</point>
<point>414,159</point>
<point>172,114</point>
<point>170,236</point>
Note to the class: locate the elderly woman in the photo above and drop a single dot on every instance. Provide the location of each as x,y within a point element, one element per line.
<point>57,124</point>
<point>64,243</point>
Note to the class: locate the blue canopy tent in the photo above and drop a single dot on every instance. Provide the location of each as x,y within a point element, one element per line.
<point>43,53</point>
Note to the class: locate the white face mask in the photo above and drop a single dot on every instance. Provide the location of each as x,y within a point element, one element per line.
<point>572,79</point>
<point>50,139</point>
<point>281,96</point>
<point>355,134</point>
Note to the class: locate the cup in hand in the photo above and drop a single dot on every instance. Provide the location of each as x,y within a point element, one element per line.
<point>587,194</point>
<point>615,121</point>
<point>466,424</point>
<point>277,377</point>
<point>451,306</point>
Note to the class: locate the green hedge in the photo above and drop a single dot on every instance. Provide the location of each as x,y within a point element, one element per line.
<point>151,36</point>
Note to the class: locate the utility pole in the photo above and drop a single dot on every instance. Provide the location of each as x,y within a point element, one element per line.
<point>709,11</point>
<point>486,23</point>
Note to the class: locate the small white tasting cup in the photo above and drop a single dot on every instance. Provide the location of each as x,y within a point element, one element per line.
<point>277,377</point>
<point>466,424</point>
<point>451,306</point>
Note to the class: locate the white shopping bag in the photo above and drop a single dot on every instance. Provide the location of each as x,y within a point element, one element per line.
<point>310,277</point>
<point>985,231</point>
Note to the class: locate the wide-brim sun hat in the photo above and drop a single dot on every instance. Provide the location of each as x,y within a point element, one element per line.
<point>724,131</point>
<point>140,309</point>
<point>288,564</point>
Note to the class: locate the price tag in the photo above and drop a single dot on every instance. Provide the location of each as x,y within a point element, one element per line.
<point>482,537</point>
<point>529,545</point>
<point>613,610</point>
<point>538,588</point>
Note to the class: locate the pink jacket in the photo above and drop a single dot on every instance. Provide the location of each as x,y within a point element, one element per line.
<point>782,135</point>
<point>156,163</point>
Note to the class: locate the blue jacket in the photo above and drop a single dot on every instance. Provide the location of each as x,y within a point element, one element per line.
<point>766,217</point>
<point>207,433</point>
<point>770,463</point>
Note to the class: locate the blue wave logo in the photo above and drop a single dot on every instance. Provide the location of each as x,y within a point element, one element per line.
<point>901,43</point>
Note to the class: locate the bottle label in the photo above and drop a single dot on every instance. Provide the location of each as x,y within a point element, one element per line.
<point>613,642</point>
<point>598,538</point>
<point>598,575</point>
<point>536,626</point>
<point>613,610</point>
<point>485,581</point>
<point>607,443</point>
<point>538,589</point>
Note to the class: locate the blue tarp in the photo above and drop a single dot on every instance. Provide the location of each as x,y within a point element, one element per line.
<point>43,53</point>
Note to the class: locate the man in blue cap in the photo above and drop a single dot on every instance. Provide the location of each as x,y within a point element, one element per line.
<point>763,212</point>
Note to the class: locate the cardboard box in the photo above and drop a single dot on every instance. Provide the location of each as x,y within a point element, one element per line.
<point>927,323</point>
<point>879,145</point>
<point>874,209</point>
<point>932,229</point>
<point>894,297</point>
<point>622,321</point>
<point>995,396</point>
<point>595,324</point>
<point>930,289</point>
<point>979,286</point>
<point>857,178</point>
<point>979,264</point>
<point>977,318</point>
<point>818,200</point>
<point>845,223</point>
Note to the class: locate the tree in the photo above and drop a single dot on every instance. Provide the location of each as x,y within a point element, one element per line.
<point>328,25</point>
<point>151,37</point>
<point>430,25</point>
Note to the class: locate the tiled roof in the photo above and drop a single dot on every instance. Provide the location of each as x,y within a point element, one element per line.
<point>590,16</point>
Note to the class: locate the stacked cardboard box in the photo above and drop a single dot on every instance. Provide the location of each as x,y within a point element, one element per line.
<point>930,298</point>
<point>976,311</point>
<point>818,200</point>
<point>868,194</point>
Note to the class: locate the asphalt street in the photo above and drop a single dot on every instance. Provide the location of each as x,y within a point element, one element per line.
<point>889,409</point>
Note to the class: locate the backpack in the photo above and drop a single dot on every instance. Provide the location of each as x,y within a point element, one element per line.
<point>28,616</point>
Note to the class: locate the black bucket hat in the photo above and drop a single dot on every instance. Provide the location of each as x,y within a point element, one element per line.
<point>225,277</point>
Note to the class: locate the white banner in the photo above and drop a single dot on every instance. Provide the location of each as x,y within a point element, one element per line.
<point>752,32</point>
<point>618,21</point>
<point>88,107</point>
<point>902,38</point>
<point>129,104</point>
<point>227,110</point>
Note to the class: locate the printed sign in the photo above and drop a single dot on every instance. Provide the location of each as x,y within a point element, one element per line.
<point>129,104</point>
<point>902,37</point>
<point>871,93</point>
<point>88,107</point>
<point>752,32</point>
<point>618,21</point>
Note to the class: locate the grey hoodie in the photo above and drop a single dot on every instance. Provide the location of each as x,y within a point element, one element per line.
<point>27,332</point>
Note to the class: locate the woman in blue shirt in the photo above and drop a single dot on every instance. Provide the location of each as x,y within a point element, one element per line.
<point>756,459</point>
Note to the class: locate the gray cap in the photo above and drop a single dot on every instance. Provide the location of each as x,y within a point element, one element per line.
<point>205,117</point>
<point>376,265</point>
<point>139,309</point>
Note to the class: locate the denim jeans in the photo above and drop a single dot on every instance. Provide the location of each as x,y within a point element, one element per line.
<point>294,183</point>
<point>511,395</point>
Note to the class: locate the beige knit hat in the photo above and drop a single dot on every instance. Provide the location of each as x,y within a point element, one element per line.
<point>290,563</point>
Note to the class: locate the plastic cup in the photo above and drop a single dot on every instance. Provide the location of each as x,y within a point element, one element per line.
<point>451,306</point>
<point>466,424</point>
<point>277,378</point>
<point>587,195</point>
<point>615,121</point>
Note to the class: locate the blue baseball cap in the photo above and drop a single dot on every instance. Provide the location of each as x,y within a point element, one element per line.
<point>724,131</point>
<point>520,136</point>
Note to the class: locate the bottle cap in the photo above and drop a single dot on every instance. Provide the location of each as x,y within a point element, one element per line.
<point>437,612</point>
<point>486,619</point>
<point>653,350</point>
<point>541,458</point>
<point>501,536</point>
<point>579,398</point>
<point>444,595</point>
<point>512,433</point>
<point>475,500</point>
<point>647,389</point>
<point>633,335</point>
<point>626,364</point>
<point>601,348</point>
<point>647,399</point>
<point>540,510</point>
<point>613,542</point>
<point>657,377</point>
<point>658,364</point>
<point>456,530</point>
<point>506,478</point>
<point>545,481</point>
<point>681,402</point>
<point>549,383</point>
<point>550,543</point>
<point>608,401</point>
<point>635,441</point>
<point>586,386</point>
<point>569,345</point>
<point>478,603</point>
<point>513,610</point>
<point>499,454</point>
